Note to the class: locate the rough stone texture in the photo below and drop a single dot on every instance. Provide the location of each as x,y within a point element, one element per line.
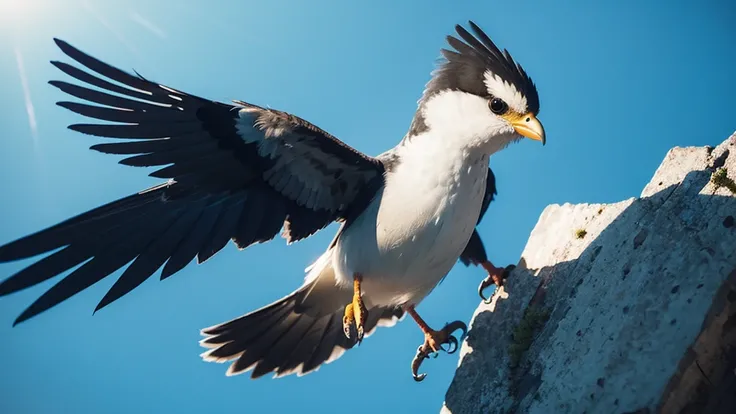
<point>642,314</point>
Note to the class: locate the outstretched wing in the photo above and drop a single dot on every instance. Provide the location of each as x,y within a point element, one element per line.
<point>475,252</point>
<point>237,172</point>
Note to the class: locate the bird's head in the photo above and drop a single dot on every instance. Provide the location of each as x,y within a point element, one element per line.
<point>479,96</point>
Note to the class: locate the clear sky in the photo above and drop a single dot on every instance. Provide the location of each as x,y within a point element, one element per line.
<point>619,85</point>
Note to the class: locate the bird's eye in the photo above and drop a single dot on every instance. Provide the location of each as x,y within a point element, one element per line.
<point>498,106</point>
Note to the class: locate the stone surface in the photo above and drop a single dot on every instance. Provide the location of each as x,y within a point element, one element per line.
<point>641,308</point>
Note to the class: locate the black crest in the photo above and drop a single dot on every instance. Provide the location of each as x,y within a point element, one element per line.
<point>464,68</point>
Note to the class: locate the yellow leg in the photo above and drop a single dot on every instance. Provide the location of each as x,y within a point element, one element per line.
<point>355,313</point>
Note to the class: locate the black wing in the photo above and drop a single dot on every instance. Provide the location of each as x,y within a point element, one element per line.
<point>237,172</point>
<point>475,252</point>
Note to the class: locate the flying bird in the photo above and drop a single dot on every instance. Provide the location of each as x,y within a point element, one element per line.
<point>244,173</point>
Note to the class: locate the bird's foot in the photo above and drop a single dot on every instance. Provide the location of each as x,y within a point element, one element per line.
<point>434,342</point>
<point>496,276</point>
<point>355,314</point>
<point>354,320</point>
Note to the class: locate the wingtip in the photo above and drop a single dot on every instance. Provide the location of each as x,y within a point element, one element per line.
<point>139,75</point>
<point>22,318</point>
<point>476,29</point>
<point>166,273</point>
<point>255,375</point>
<point>62,44</point>
<point>203,343</point>
<point>209,331</point>
<point>98,148</point>
<point>100,306</point>
<point>206,356</point>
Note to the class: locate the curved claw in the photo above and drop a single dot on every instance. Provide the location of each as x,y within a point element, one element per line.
<point>454,326</point>
<point>453,345</point>
<point>425,351</point>
<point>488,281</point>
<point>417,362</point>
<point>493,280</point>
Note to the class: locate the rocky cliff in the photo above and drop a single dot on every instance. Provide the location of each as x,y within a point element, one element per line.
<point>617,308</point>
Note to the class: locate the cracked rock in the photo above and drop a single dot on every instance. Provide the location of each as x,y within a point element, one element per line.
<point>642,310</point>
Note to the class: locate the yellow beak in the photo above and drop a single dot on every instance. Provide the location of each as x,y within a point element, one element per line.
<point>530,127</point>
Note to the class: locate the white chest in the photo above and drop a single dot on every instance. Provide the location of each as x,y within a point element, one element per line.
<point>412,234</point>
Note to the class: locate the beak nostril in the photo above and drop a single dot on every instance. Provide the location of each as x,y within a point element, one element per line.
<point>528,119</point>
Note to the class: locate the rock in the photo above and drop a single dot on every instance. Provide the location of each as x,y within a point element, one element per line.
<point>616,308</point>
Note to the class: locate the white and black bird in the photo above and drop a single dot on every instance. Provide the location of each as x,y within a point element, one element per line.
<point>244,173</point>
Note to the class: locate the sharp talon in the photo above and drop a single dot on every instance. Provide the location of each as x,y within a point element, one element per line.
<point>454,326</point>
<point>496,276</point>
<point>453,345</point>
<point>348,328</point>
<point>360,334</point>
<point>417,362</point>
<point>488,281</point>
<point>451,340</point>
<point>355,314</point>
<point>348,321</point>
<point>435,341</point>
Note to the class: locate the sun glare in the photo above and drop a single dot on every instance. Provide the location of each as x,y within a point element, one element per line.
<point>18,10</point>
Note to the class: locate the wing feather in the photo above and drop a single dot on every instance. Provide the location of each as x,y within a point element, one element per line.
<point>236,172</point>
<point>475,251</point>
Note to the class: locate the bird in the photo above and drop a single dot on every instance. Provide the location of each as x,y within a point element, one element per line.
<point>245,173</point>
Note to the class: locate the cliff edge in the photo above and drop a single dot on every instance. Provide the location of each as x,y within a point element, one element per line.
<point>617,308</point>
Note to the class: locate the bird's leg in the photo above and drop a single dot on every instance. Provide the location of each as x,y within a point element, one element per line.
<point>355,312</point>
<point>434,341</point>
<point>496,276</point>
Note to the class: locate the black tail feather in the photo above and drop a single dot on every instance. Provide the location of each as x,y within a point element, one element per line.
<point>285,339</point>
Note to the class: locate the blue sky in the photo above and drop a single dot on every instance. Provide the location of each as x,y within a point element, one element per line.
<point>620,84</point>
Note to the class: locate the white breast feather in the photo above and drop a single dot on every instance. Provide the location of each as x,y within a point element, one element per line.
<point>412,234</point>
